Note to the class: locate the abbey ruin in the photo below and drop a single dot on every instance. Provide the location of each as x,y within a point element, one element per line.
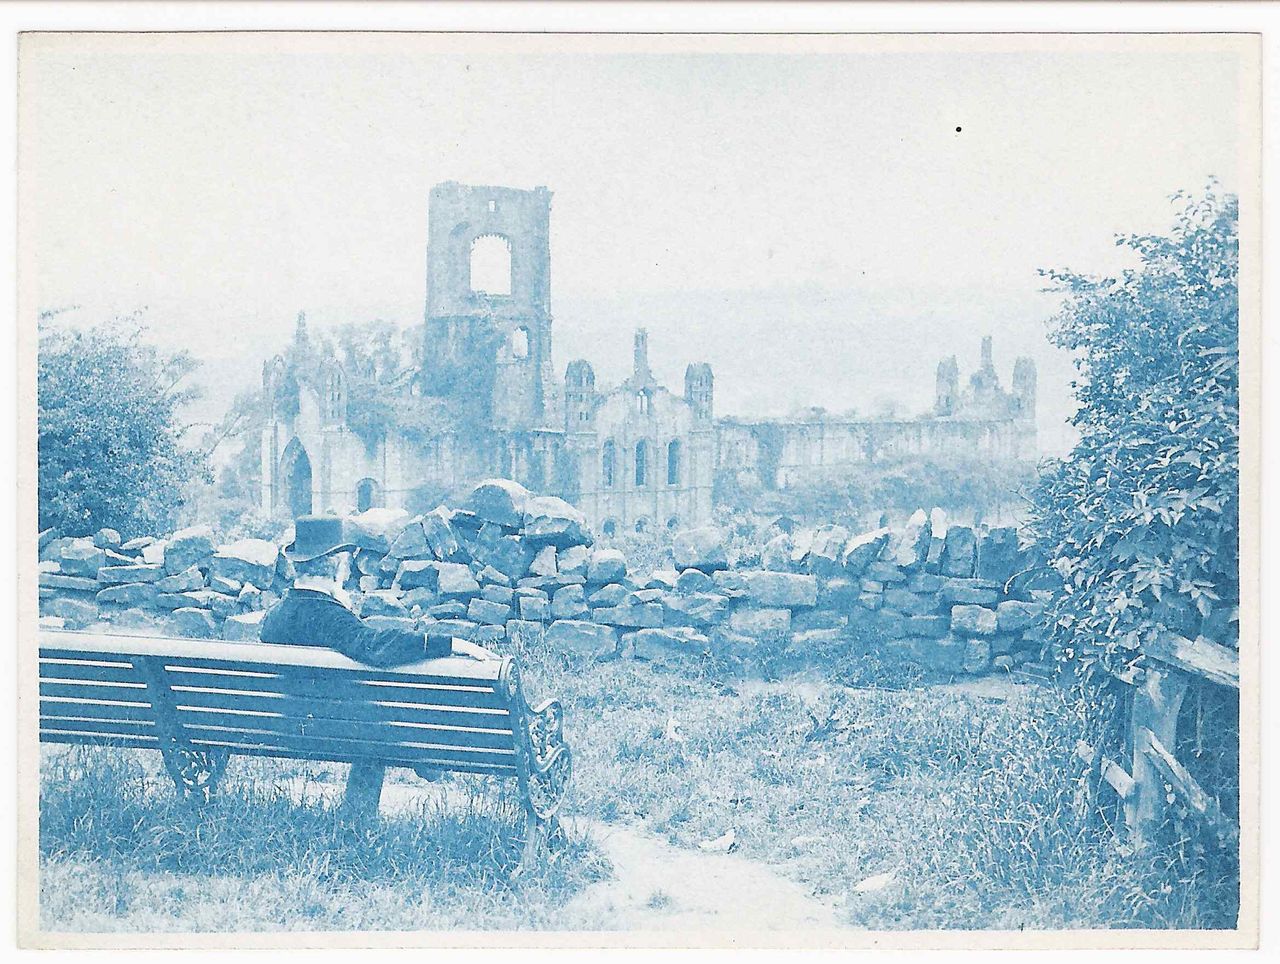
<point>486,401</point>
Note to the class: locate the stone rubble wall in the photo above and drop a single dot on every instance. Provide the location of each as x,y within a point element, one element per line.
<point>512,571</point>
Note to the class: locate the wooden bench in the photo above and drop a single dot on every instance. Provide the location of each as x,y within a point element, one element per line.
<point>200,702</point>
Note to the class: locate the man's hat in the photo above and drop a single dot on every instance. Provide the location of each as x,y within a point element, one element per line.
<point>317,535</point>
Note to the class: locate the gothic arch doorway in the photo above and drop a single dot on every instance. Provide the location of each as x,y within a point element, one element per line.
<point>295,469</point>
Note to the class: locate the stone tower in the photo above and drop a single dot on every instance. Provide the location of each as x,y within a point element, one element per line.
<point>699,390</point>
<point>1024,388</point>
<point>490,350</point>
<point>947,390</point>
<point>579,397</point>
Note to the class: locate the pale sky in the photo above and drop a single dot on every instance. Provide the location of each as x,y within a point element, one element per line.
<point>812,224</point>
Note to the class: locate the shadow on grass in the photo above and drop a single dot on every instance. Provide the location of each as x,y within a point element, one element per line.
<point>451,864</point>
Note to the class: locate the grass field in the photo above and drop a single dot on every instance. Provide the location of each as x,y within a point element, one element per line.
<point>963,805</point>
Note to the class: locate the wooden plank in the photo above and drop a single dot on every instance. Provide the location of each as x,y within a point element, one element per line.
<point>109,727</point>
<point>337,755</point>
<point>379,712</point>
<point>94,710</point>
<point>363,731</point>
<point>338,749</point>
<point>1117,778</point>
<point>1176,775</point>
<point>78,669</point>
<point>68,644</point>
<point>1198,656</point>
<point>82,738</point>
<point>336,687</point>
<point>114,692</point>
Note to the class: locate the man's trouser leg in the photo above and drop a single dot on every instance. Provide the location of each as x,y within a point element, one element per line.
<point>364,789</point>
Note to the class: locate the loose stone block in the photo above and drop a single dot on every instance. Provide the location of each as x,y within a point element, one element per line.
<point>575,562</point>
<point>569,602</point>
<point>647,615</point>
<point>188,547</point>
<point>229,586</point>
<point>1014,615</point>
<point>913,604</point>
<point>131,594</point>
<point>977,656</point>
<point>532,608</point>
<point>664,579</point>
<point>668,647</point>
<point>768,589</point>
<point>525,634</point>
<point>194,623</point>
<point>544,563</point>
<point>998,554</point>
<point>243,626</point>
<point>776,554</point>
<point>383,603</point>
<point>959,552</point>
<point>455,580</point>
<point>885,572</point>
<point>702,548</point>
<point>973,621</point>
<point>420,574</point>
<point>581,637</point>
<point>80,557</point>
<point>968,591</point>
<point>696,609</point>
<point>862,550</point>
<point>488,612</point>
<point>246,560</point>
<point>185,581</point>
<point>928,627</point>
<point>549,520</point>
<point>607,565</point>
<point>498,594</point>
<point>54,580</point>
<point>75,613</point>
<point>759,622</point>
<point>610,595</point>
<point>501,501</point>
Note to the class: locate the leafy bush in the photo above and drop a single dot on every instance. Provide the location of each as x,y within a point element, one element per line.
<point>1142,520</point>
<point>110,446</point>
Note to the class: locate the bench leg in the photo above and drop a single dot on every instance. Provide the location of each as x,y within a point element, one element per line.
<point>364,789</point>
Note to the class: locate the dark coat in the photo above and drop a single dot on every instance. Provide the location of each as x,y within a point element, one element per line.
<point>307,617</point>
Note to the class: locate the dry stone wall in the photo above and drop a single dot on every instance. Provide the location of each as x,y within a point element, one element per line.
<point>510,570</point>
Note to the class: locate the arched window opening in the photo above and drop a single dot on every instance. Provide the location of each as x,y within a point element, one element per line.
<point>608,463</point>
<point>368,495</point>
<point>491,265</point>
<point>610,528</point>
<point>520,343</point>
<point>642,463</point>
<point>643,401</point>
<point>642,524</point>
<point>673,462</point>
<point>296,469</point>
<point>673,524</point>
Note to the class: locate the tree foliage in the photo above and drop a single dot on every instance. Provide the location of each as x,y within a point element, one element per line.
<point>1142,520</point>
<point>110,443</point>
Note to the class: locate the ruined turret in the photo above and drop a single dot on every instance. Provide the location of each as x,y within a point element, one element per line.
<point>1024,388</point>
<point>947,389</point>
<point>579,396</point>
<point>699,390</point>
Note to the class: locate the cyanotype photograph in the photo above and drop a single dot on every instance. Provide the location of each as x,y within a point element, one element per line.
<point>639,490</point>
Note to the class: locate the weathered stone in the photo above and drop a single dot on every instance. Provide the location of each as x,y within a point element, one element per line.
<point>928,627</point>
<point>487,611</point>
<point>702,548</point>
<point>1014,615</point>
<point>223,605</point>
<point>806,619</point>
<point>665,579</point>
<point>188,547</point>
<point>367,562</point>
<point>383,603</point>
<point>455,580</point>
<point>911,546</point>
<point>410,543</point>
<point>870,600</point>
<point>45,539</point>
<point>420,574</point>
<point>498,594</point>
<point>827,549</point>
<point>977,656</point>
<point>610,595</point>
<point>222,584</point>
<point>453,609</point>
<point>544,563</point>
<point>862,550</point>
<point>574,561</point>
<point>80,557</point>
<point>76,613</point>
<point>489,575</point>
<point>369,583</point>
<point>998,554</point>
<point>968,591</point>
<point>695,609</point>
<point>247,560</point>
<point>106,538</point>
<point>972,621</point>
<point>885,572</point>
<point>960,552</point>
<point>693,580</point>
<point>245,627</point>
<point>54,580</point>
<point>871,585</point>
<point>924,582</point>
<point>137,544</point>
<point>910,603</point>
<point>1003,662</point>
<point>606,565</point>
<point>441,536</point>
<point>534,608</point>
<point>194,623</point>
<point>890,624</point>
<point>52,622</point>
<point>184,581</point>
<point>501,501</point>
<point>838,593</point>
<point>549,520</point>
<point>776,554</point>
<point>130,594</point>
<point>569,602</point>
<point>1003,642</point>
<point>770,589</point>
<point>757,622</point>
<point>487,637</point>
<point>644,615</point>
<point>582,638</point>
<point>250,597</point>
<point>153,553</point>
<point>169,601</point>
<point>815,639</point>
<point>525,634</point>
<point>667,647</point>
<point>639,596</point>
<point>453,628</point>
<point>377,528</point>
<point>508,555</point>
<point>801,543</point>
<point>938,526</point>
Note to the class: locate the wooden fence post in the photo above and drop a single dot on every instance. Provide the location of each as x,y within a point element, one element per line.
<point>1156,701</point>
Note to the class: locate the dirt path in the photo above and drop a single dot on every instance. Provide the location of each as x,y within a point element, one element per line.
<point>655,886</point>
